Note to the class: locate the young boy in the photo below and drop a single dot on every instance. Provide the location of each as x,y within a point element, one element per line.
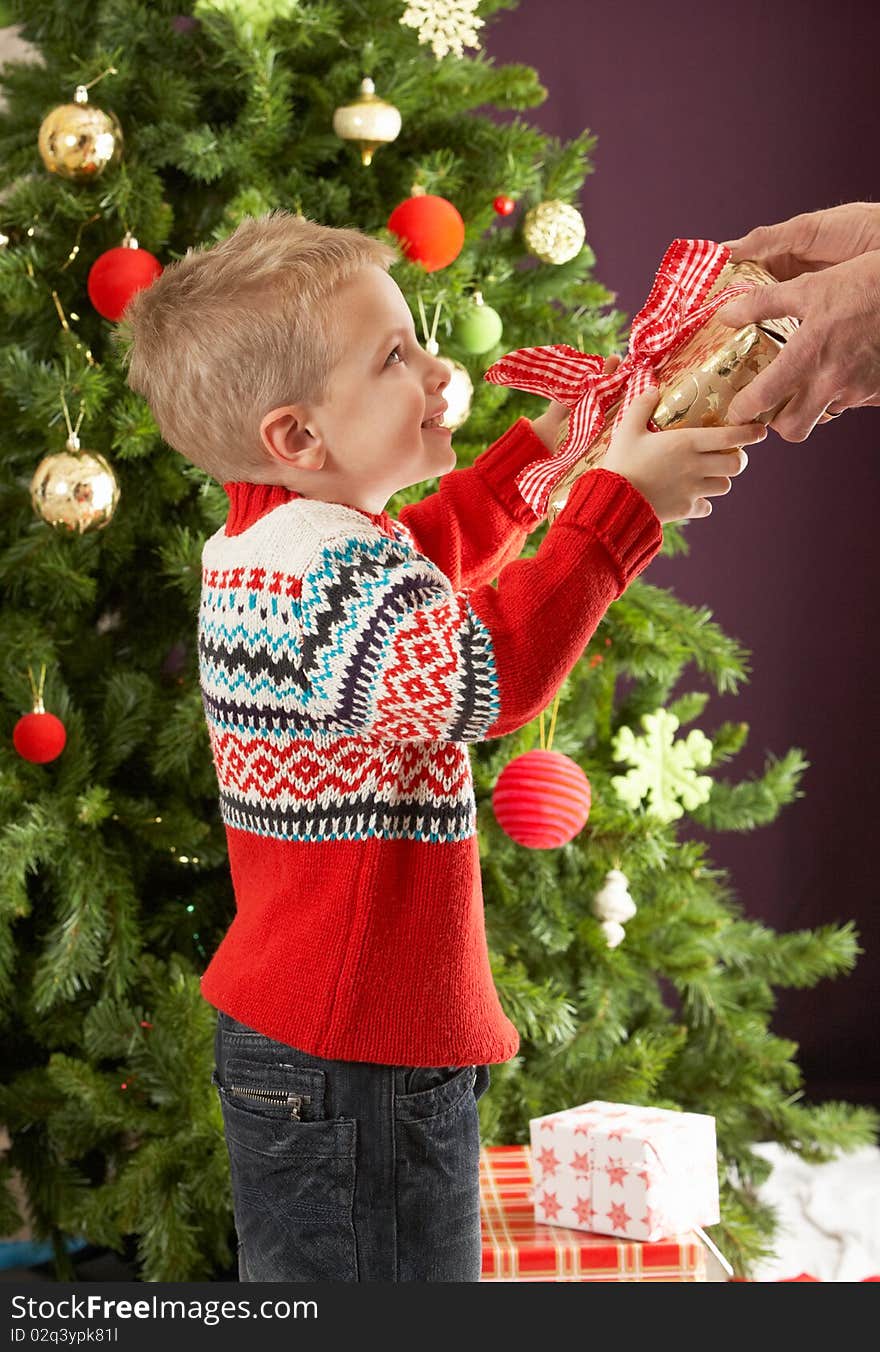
<point>347,660</point>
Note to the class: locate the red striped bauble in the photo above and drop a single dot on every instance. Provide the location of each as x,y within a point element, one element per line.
<point>542,799</point>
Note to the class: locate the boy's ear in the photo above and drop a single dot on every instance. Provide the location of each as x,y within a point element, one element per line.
<point>290,437</point>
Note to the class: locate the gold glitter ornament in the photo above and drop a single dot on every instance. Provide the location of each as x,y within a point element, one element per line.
<point>78,140</point>
<point>554,231</point>
<point>370,122</point>
<point>75,489</point>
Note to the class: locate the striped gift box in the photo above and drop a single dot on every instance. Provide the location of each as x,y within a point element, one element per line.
<point>516,1248</point>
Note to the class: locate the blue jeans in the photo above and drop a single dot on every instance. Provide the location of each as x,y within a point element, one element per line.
<point>349,1171</point>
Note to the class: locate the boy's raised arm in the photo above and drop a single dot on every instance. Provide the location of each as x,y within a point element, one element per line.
<point>477,521</point>
<point>390,649</point>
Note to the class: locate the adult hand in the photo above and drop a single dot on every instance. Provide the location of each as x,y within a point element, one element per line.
<point>811,241</point>
<point>832,362</point>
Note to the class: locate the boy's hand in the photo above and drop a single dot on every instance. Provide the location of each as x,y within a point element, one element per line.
<point>680,469</point>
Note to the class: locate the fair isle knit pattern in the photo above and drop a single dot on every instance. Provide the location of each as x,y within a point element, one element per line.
<point>340,687</point>
<point>347,661</point>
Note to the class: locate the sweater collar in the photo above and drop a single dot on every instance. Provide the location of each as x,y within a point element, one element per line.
<point>249,502</point>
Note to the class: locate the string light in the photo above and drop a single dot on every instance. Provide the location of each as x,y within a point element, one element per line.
<point>68,329</point>
<point>75,250</point>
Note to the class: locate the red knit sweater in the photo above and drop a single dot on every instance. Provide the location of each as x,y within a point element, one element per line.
<point>346,661</point>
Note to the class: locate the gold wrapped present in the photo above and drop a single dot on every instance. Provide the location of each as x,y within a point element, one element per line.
<point>676,345</point>
<point>698,381</point>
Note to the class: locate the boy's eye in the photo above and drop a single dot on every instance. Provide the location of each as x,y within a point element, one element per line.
<point>394,356</point>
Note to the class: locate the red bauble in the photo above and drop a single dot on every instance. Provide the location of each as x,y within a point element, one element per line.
<point>504,205</point>
<point>117,275</point>
<point>430,230</point>
<point>542,799</point>
<point>39,737</point>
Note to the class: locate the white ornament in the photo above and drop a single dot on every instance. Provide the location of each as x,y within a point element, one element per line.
<point>613,905</point>
<point>613,932</point>
<point>458,394</point>
<point>449,25</point>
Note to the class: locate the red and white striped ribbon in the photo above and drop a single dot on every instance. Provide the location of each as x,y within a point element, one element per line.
<point>673,312</point>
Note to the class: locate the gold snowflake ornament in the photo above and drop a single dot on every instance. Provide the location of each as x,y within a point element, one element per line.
<point>449,25</point>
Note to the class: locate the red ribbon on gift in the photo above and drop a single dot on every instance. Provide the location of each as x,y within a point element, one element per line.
<point>673,312</point>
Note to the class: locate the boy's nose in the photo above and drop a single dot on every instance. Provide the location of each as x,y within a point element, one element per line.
<point>440,374</point>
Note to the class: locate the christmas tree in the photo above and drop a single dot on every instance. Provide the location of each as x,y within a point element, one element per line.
<point>115,884</point>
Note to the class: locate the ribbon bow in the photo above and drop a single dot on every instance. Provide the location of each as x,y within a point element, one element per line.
<point>673,312</point>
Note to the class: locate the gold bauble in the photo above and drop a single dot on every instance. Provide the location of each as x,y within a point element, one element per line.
<point>554,231</point>
<point>370,122</point>
<point>78,140</point>
<point>76,489</point>
<point>458,394</point>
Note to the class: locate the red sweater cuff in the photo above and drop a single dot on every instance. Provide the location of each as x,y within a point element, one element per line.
<point>499,465</point>
<point>605,504</point>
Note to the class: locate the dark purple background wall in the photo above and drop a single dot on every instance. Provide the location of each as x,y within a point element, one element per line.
<point>713,118</point>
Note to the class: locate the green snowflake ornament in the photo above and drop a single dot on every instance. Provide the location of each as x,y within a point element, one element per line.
<point>663,768</point>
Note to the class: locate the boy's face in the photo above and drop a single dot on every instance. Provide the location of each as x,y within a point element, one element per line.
<point>376,431</point>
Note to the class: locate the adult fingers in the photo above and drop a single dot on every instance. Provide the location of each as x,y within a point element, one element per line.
<point>611,364</point>
<point>776,384</point>
<point>701,507</point>
<point>755,245</point>
<point>801,413</point>
<point>785,249</point>
<point>773,301</point>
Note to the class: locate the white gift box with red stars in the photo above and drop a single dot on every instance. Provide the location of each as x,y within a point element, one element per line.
<point>620,1169</point>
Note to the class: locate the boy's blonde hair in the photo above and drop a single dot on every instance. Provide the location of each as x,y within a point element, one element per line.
<point>233,330</point>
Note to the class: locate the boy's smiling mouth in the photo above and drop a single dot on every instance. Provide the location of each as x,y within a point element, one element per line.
<point>437,419</point>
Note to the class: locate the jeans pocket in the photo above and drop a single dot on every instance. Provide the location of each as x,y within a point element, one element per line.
<point>437,1143</point>
<point>433,1089</point>
<point>275,1089</point>
<point>293,1172</point>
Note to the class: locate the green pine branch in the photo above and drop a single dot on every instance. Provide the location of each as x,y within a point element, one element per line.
<point>757,800</point>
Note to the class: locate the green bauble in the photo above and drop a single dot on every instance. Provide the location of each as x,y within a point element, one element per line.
<point>480,328</point>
